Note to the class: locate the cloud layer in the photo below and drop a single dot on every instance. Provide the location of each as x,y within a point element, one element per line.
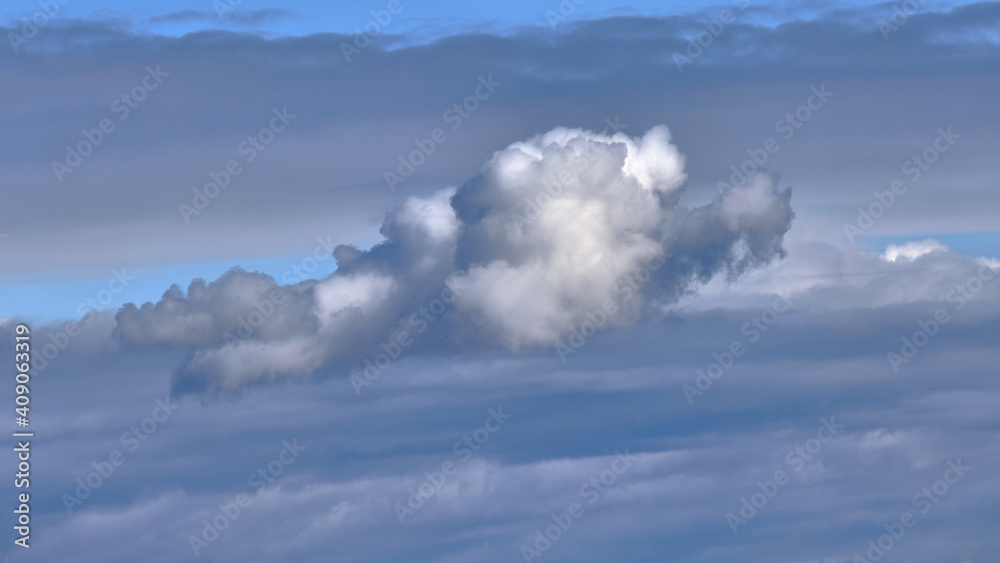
<point>826,357</point>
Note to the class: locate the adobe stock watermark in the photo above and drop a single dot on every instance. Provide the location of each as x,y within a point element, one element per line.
<point>929,328</point>
<point>363,37</point>
<point>753,330</point>
<point>463,449</point>
<point>787,125</point>
<point>264,308</point>
<point>132,439</point>
<point>455,116</point>
<point>122,106</point>
<point>562,13</point>
<point>87,311</point>
<point>301,272</point>
<point>223,7</point>
<point>30,27</point>
<point>552,189</point>
<point>795,459</point>
<point>593,490</point>
<point>914,168</point>
<point>249,149</point>
<point>229,512</point>
<point>393,348</point>
<point>924,500</point>
<point>713,29</point>
<point>628,286</point>
<point>901,13</point>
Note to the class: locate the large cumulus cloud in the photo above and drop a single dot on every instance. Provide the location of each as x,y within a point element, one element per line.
<point>544,235</point>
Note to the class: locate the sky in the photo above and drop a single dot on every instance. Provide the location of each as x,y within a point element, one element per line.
<point>419,20</point>
<point>503,281</point>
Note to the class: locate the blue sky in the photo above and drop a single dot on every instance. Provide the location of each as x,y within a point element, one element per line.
<point>50,300</point>
<point>305,17</point>
<point>488,290</point>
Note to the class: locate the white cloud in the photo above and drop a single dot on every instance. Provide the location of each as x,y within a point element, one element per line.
<point>545,237</point>
<point>913,249</point>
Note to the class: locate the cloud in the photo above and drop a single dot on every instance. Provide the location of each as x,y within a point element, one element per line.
<point>824,276</point>
<point>554,224</point>
<point>244,327</point>
<point>236,16</point>
<point>551,231</point>
<point>695,464</point>
<point>181,16</point>
<point>912,250</point>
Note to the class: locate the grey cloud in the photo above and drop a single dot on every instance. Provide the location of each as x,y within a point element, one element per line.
<point>205,313</point>
<point>239,15</point>
<point>182,16</point>
<point>332,160</point>
<point>825,276</point>
<point>740,230</point>
<point>695,463</point>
